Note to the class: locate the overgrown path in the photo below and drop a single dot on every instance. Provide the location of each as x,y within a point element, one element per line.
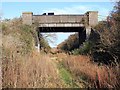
<point>65,75</point>
<point>38,70</point>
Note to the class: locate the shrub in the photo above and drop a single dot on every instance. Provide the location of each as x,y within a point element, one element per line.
<point>17,37</point>
<point>107,51</point>
<point>27,37</point>
<point>84,49</point>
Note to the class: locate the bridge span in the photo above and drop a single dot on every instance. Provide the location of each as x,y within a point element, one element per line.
<point>82,23</point>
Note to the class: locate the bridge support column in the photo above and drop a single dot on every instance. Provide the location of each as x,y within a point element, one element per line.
<point>82,36</point>
<point>88,31</point>
<point>38,40</point>
<point>38,47</point>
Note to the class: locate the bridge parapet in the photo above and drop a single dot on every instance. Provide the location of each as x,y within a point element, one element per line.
<point>92,18</point>
<point>88,19</point>
<point>58,18</point>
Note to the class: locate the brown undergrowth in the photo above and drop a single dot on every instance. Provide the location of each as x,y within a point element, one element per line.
<point>32,71</point>
<point>101,76</point>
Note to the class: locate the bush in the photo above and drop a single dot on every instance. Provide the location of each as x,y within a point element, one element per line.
<point>27,37</point>
<point>107,51</point>
<point>84,49</point>
<point>17,37</point>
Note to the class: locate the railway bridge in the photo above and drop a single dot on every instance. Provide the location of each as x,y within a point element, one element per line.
<point>81,23</point>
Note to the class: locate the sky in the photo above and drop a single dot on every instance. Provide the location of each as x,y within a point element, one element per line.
<point>11,10</point>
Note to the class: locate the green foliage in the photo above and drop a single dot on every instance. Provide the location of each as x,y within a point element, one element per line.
<point>25,33</point>
<point>26,37</point>
<point>84,49</point>
<point>76,52</point>
<point>65,76</point>
<point>108,48</point>
<point>44,43</point>
<point>21,36</point>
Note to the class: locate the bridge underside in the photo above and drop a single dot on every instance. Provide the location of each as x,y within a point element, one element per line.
<point>61,29</point>
<point>81,31</point>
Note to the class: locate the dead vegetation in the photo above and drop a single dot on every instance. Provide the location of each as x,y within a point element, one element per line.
<point>33,71</point>
<point>95,76</point>
<point>22,66</point>
<point>36,70</point>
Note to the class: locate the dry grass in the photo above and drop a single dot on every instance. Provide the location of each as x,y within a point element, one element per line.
<point>23,67</point>
<point>38,71</point>
<point>97,76</point>
<point>33,71</point>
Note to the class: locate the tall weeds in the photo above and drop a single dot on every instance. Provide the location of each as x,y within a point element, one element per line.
<point>33,71</point>
<point>97,76</point>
